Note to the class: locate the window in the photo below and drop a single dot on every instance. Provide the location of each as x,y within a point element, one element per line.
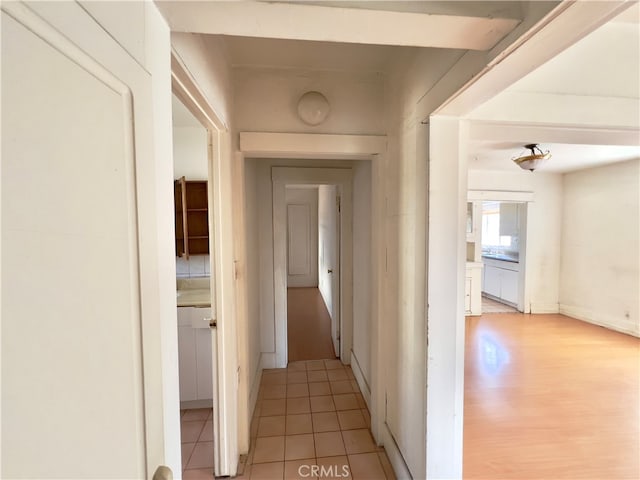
<point>491,232</point>
<point>491,238</point>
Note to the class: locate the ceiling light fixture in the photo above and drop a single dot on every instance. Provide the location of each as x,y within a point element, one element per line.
<point>313,108</point>
<point>533,160</point>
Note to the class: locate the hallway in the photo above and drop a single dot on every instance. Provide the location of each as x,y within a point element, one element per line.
<point>313,414</point>
<point>548,396</point>
<point>308,325</point>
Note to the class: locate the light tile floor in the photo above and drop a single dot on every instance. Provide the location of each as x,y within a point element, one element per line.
<point>491,306</point>
<point>313,414</point>
<point>310,415</point>
<point>196,427</point>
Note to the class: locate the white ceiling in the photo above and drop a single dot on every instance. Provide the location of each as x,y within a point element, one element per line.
<point>602,66</point>
<point>303,54</point>
<point>564,157</point>
<point>458,25</point>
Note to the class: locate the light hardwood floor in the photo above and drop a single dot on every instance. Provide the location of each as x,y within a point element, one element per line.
<point>550,397</point>
<point>308,325</point>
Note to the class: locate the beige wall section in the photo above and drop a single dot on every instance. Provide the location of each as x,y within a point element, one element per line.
<point>147,41</point>
<point>252,276</point>
<point>354,99</point>
<point>599,276</point>
<point>190,153</point>
<point>206,58</point>
<point>362,269</point>
<point>544,231</point>
<point>157,48</point>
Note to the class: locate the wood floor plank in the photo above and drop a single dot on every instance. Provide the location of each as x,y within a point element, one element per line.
<point>308,325</point>
<point>550,397</point>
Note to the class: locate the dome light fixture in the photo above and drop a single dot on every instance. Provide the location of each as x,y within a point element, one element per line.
<point>534,159</point>
<point>313,108</point>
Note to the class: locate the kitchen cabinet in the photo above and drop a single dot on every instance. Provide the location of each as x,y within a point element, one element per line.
<point>191,217</point>
<point>509,219</point>
<point>509,286</point>
<point>492,280</point>
<point>500,280</point>
<point>194,355</point>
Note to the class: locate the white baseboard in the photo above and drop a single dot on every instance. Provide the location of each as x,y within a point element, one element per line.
<point>268,360</point>
<point>395,456</point>
<point>601,319</point>
<point>360,378</point>
<point>540,308</point>
<point>191,404</point>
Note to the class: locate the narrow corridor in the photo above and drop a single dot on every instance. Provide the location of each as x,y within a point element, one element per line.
<point>313,414</point>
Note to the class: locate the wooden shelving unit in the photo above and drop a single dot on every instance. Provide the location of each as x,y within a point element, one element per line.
<point>192,217</point>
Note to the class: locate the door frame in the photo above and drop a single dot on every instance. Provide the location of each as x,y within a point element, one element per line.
<point>523,198</point>
<point>320,146</point>
<point>342,178</point>
<point>224,335</point>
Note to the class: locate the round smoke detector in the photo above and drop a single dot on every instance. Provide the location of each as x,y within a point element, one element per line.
<point>313,108</point>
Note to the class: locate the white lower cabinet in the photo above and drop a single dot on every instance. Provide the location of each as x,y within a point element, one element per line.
<point>501,280</point>
<point>492,280</point>
<point>509,286</point>
<point>194,354</point>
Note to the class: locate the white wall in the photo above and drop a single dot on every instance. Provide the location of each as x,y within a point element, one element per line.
<point>600,267</point>
<point>190,157</point>
<point>362,268</point>
<point>544,231</point>
<point>327,247</point>
<point>252,274</point>
<point>206,58</point>
<point>354,99</point>
<point>309,197</point>
<point>97,32</point>
<point>403,331</point>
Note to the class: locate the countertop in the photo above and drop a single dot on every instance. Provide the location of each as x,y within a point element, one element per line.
<point>193,292</point>
<point>501,257</point>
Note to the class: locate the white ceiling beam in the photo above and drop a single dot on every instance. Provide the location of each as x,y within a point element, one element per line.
<point>332,24</point>
<point>508,133</point>
<point>560,108</point>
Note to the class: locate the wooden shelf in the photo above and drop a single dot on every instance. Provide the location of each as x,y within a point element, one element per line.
<point>192,219</point>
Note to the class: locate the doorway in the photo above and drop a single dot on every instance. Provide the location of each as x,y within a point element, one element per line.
<point>193,286</point>
<point>333,285</point>
<point>222,278</point>
<point>313,257</point>
<point>503,235</point>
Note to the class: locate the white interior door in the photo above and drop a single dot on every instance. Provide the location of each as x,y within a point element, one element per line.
<point>74,294</point>
<point>335,280</point>
<point>302,237</point>
<point>329,241</point>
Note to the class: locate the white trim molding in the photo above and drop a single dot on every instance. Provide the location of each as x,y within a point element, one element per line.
<point>265,144</point>
<point>602,320</point>
<point>360,378</point>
